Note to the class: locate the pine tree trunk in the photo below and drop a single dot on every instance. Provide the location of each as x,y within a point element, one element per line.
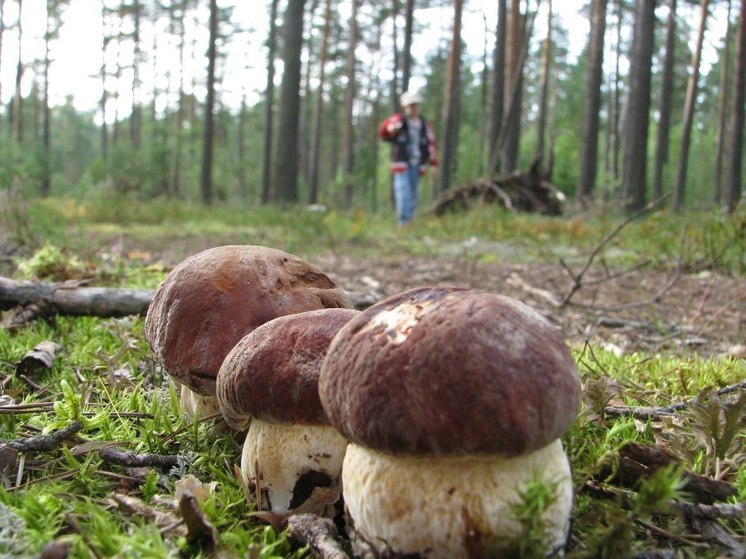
<point>313,182</point>
<point>734,179</point>
<point>451,103</point>
<point>637,112</point>
<point>286,151</point>
<point>691,99</point>
<point>546,59</point>
<point>722,110</point>
<point>511,127</point>
<point>16,106</point>
<point>395,40</point>
<point>406,71</point>
<point>664,120</point>
<point>104,95</point>
<point>348,140</point>
<point>209,122</point>
<point>498,87</point>
<point>46,180</point>
<point>136,112</point>
<point>2,33</point>
<point>593,82</point>
<point>269,96</point>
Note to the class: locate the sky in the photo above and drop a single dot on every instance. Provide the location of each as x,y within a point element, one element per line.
<point>77,53</point>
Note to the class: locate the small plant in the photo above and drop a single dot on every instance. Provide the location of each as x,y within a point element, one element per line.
<point>51,263</point>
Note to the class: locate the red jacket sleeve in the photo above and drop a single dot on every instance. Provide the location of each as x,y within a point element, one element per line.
<point>390,127</point>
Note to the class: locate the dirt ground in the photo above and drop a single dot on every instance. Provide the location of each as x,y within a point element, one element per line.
<point>646,311</point>
<point>625,311</point>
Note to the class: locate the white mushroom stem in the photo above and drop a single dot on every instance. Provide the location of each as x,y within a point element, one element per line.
<point>445,508</point>
<point>196,405</point>
<point>275,456</point>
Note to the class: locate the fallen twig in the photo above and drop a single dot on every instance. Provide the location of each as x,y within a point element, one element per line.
<point>712,512</point>
<point>578,278</point>
<point>46,443</point>
<point>115,455</point>
<point>648,412</point>
<point>318,533</point>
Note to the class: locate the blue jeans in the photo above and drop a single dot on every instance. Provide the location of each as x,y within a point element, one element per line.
<point>405,193</point>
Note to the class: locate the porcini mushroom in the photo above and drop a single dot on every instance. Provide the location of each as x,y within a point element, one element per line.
<point>453,401</point>
<point>212,299</point>
<point>269,383</point>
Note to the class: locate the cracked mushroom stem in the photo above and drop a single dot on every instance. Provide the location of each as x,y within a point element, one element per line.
<point>269,381</point>
<point>439,380</point>
<point>210,300</point>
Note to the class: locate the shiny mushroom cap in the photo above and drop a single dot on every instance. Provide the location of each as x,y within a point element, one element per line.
<point>450,371</point>
<point>272,373</point>
<point>211,300</point>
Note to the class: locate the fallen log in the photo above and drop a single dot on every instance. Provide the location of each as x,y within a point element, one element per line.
<point>73,299</point>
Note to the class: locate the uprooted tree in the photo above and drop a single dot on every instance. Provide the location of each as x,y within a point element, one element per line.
<point>517,192</point>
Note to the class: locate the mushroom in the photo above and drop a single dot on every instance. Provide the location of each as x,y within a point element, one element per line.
<point>269,383</point>
<point>453,401</point>
<point>212,299</point>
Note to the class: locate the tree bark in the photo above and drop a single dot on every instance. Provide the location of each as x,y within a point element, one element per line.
<point>637,112</point>
<point>69,298</point>
<point>2,33</point>
<point>451,103</point>
<point>498,88</point>
<point>104,94</point>
<point>46,180</point>
<point>313,184</point>
<point>691,99</point>
<point>269,95</point>
<point>348,141</point>
<point>734,179</point>
<point>16,104</point>
<point>511,127</point>
<point>593,81</point>
<point>546,60</point>
<point>285,176</point>
<point>74,300</point>
<point>722,109</point>
<point>209,123</point>
<point>406,71</point>
<point>664,121</point>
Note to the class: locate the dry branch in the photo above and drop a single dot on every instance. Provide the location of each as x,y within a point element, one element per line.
<point>317,532</point>
<point>647,412</point>
<point>46,443</point>
<point>73,299</point>
<point>114,455</point>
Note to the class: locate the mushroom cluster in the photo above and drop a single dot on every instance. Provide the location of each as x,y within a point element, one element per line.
<point>214,298</point>
<point>432,410</point>
<point>453,401</point>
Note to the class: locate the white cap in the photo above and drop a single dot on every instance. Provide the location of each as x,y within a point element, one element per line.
<point>411,98</point>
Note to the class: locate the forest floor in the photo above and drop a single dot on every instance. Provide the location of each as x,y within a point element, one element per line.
<point>624,309</point>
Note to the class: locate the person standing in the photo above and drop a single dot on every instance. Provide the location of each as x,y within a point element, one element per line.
<point>412,150</point>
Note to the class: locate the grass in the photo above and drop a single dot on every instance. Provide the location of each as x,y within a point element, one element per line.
<point>106,379</point>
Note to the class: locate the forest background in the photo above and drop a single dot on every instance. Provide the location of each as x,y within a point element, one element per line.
<point>256,103</point>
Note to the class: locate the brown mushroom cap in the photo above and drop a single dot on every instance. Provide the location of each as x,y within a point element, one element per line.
<point>211,300</point>
<point>272,372</point>
<point>450,371</point>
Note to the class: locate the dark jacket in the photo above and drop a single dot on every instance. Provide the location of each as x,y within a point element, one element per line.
<point>394,129</point>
